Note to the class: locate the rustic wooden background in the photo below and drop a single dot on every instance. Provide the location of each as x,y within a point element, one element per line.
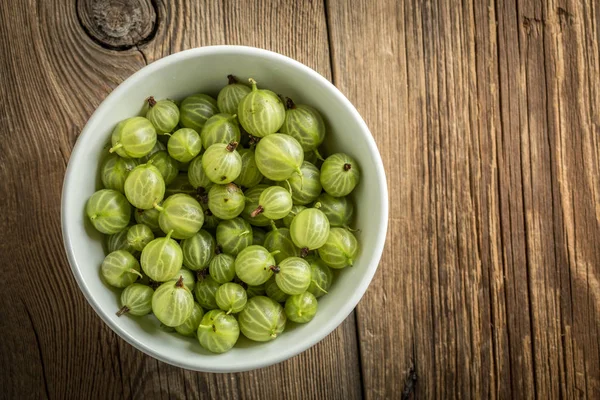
<point>487,116</point>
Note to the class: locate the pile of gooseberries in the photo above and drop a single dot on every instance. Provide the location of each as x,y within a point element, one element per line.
<point>221,215</point>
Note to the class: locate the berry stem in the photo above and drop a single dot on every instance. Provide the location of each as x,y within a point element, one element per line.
<point>123,310</point>
<point>318,205</point>
<point>319,156</point>
<point>258,210</point>
<point>151,101</point>
<point>244,233</point>
<point>304,252</point>
<point>232,146</point>
<point>159,208</point>
<point>169,234</point>
<point>347,167</point>
<point>275,269</point>
<point>253,83</point>
<point>319,286</point>
<point>133,271</point>
<point>229,312</point>
<point>275,252</point>
<point>232,79</point>
<point>273,226</point>
<point>179,282</point>
<point>299,171</point>
<point>115,148</point>
<point>289,103</point>
<point>234,116</point>
<point>289,186</point>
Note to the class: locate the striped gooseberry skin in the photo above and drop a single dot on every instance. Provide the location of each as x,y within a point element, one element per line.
<point>230,96</point>
<point>190,326</point>
<point>172,303</point>
<point>205,291</point>
<point>134,137</point>
<point>158,146</point>
<point>196,174</point>
<point>254,265</point>
<point>118,241</point>
<point>181,214</point>
<point>305,124</point>
<point>301,307</point>
<point>261,112</point>
<point>148,218</point>
<point>198,250</point>
<point>340,249</point>
<point>249,176</point>
<point>274,202</point>
<point>164,115</point>
<point>222,268</point>
<point>294,275</point>
<point>252,195</point>
<point>180,184</point>
<point>262,320</point>
<point>258,236</point>
<point>195,110</point>
<point>184,144</point>
<point>120,269</point>
<point>321,277</point>
<point>287,220</point>
<point>279,156</point>
<point>310,229</point>
<point>273,292</point>
<point>234,235</point>
<point>218,332</point>
<point>108,210</point>
<point>231,297</point>
<point>253,291</point>
<point>189,278</point>
<point>226,201</point>
<point>136,299</point>
<point>339,210</point>
<point>168,167</point>
<point>220,128</point>
<point>145,186</point>
<point>138,236</point>
<point>222,163</point>
<point>114,171</point>
<point>280,239</point>
<point>339,174</point>
<point>162,259</point>
<point>305,187</point>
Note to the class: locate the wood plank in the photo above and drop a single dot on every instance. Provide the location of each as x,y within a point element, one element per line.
<point>57,75</point>
<point>484,115</point>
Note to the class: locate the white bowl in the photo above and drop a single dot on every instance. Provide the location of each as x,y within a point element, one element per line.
<point>204,70</point>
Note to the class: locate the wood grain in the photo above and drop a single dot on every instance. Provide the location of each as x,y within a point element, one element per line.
<point>486,116</point>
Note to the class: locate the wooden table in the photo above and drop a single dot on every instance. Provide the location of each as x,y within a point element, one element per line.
<point>487,116</point>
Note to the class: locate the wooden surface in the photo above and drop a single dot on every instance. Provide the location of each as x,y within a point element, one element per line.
<point>487,116</point>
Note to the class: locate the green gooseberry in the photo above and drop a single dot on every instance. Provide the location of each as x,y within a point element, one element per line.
<point>293,275</point>
<point>190,326</point>
<point>280,239</point>
<point>301,307</point>
<point>149,218</point>
<point>180,184</point>
<point>339,210</point>
<point>145,186</point>
<point>226,201</point>
<point>205,291</point>
<point>274,203</point>
<point>261,112</point>
<point>184,144</point>
<point>279,156</point>
<point>136,299</point>
<point>196,174</point>
<point>309,230</point>
<point>273,292</point>
<point>189,278</point>
<point>195,110</point>
<point>304,124</point>
<point>340,249</point>
<point>304,187</point>
<point>120,269</point>
<point>220,128</point>
<point>108,210</point>
<point>287,220</point>
<point>262,320</point>
<point>164,115</point>
<point>221,163</point>
<point>180,214</point>
<point>254,265</point>
<point>258,236</point>
<point>222,268</point>
<point>158,146</point>
<point>218,332</point>
<point>168,167</point>
<point>118,241</point>
<point>251,197</point>
<point>252,291</point>
<point>234,235</point>
<point>133,138</point>
<point>339,174</point>
<point>250,175</point>
<point>162,259</point>
<point>172,303</point>
<point>321,277</point>
<point>198,250</point>
<point>231,297</point>
<point>114,171</point>
<point>138,236</point>
<point>230,96</point>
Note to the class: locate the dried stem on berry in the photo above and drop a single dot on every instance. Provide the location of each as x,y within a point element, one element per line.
<point>347,167</point>
<point>179,282</point>
<point>289,103</point>
<point>258,210</point>
<point>232,146</point>
<point>304,252</point>
<point>275,269</point>
<point>123,310</point>
<point>151,101</point>
<point>232,79</point>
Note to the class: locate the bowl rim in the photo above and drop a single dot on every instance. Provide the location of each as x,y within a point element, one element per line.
<point>193,363</point>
